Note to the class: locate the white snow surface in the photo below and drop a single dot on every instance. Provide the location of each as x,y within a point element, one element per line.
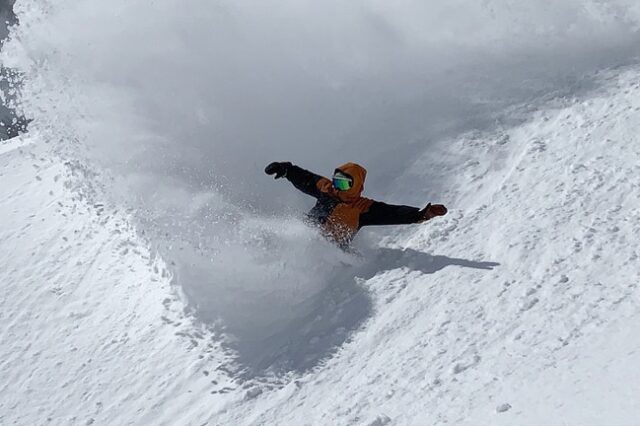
<point>519,307</point>
<point>139,288</point>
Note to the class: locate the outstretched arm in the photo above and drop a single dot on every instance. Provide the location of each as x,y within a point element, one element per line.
<point>388,214</point>
<point>302,179</point>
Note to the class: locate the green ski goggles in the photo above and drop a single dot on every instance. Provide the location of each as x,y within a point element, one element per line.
<point>342,182</point>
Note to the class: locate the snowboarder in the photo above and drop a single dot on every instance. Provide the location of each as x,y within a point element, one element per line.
<point>340,210</point>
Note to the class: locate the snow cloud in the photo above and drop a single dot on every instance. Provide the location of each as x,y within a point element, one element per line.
<point>184,103</point>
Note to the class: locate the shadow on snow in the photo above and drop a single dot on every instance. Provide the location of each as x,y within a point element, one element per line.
<point>318,327</point>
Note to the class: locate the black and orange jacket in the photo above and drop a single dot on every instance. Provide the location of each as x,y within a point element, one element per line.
<point>341,214</point>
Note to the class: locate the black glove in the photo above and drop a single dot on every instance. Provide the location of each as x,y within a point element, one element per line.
<point>278,169</point>
<point>433,210</point>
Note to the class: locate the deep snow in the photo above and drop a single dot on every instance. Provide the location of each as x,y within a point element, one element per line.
<point>151,274</point>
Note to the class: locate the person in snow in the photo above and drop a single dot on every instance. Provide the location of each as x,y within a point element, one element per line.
<point>340,210</point>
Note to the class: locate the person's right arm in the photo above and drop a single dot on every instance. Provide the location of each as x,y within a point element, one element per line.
<point>304,180</point>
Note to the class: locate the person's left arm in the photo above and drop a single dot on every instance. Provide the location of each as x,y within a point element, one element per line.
<point>388,214</point>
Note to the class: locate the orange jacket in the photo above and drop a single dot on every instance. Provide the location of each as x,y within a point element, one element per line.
<point>341,214</point>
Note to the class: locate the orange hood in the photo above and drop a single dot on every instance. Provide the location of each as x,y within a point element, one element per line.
<point>358,174</point>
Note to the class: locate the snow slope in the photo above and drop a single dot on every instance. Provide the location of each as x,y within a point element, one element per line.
<point>520,307</point>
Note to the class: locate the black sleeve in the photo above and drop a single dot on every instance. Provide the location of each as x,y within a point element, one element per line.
<point>388,214</point>
<point>304,180</point>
